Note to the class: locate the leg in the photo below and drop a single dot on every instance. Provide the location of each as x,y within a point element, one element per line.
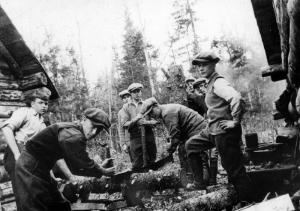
<point>136,152</point>
<point>195,147</point>
<point>151,146</point>
<point>228,145</point>
<point>213,169</point>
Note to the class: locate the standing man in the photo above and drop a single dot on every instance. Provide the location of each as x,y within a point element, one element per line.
<point>123,133</point>
<point>23,125</point>
<point>225,110</point>
<point>183,124</point>
<point>132,121</point>
<point>35,191</point>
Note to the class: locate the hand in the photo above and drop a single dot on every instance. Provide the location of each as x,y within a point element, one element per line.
<point>109,171</point>
<point>228,124</point>
<point>76,180</point>
<point>125,148</point>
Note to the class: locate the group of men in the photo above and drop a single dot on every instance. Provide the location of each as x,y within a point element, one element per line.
<point>34,149</point>
<point>212,121</point>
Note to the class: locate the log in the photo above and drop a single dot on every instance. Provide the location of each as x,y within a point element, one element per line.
<point>217,200</point>
<point>11,95</point>
<point>150,181</point>
<point>33,81</point>
<point>8,84</point>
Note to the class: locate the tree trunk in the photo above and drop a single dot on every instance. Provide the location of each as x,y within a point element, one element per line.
<point>217,200</point>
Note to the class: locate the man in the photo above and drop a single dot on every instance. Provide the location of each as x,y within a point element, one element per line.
<point>133,122</point>
<point>23,125</point>
<point>183,125</point>
<point>200,89</point>
<point>35,190</point>
<point>225,110</point>
<point>123,133</point>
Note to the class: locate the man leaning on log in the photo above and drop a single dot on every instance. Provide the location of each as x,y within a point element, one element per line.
<point>36,190</point>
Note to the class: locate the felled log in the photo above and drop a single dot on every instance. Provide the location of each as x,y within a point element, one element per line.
<point>217,200</point>
<point>8,84</point>
<point>11,95</point>
<point>33,81</point>
<point>151,181</point>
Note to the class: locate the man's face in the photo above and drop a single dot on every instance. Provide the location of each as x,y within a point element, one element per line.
<point>206,69</point>
<point>155,113</point>
<point>89,130</point>
<point>126,98</point>
<point>189,86</point>
<point>136,94</point>
<point>201,88</point>
<point>39,105</point>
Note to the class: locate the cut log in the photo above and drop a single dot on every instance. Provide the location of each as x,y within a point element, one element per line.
<point>11,95</point>
<point>217,200</point>
<point>33,81</point>
<point>151,181</point>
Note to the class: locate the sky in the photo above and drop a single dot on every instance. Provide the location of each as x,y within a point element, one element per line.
<point>98,25</point>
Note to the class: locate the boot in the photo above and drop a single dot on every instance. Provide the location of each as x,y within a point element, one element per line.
<point>195,163</point>
<point>213,170</point>
<point>205,166</point>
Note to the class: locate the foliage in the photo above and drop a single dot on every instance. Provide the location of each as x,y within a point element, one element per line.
<point>133,66</point>
<point>67,77</point>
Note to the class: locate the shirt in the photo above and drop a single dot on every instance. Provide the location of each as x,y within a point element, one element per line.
<point>63,140</point>
<point>123,133</point>
<point>181,121</point>
<point>25,123</point>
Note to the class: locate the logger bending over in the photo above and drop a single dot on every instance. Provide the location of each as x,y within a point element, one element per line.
<point>35,190</point>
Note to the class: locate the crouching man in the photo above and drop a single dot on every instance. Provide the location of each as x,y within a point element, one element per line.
<point>35,190</point>
<point>183,124</point>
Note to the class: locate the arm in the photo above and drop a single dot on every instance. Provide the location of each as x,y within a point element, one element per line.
<point>126,122</point>
<point>77,158</point>
<point>172,125</point>
<point>11,141</point>
<point>14,123</point>
<point>224,90</point>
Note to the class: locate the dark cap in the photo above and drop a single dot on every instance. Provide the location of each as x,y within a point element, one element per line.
<point>148,105</point>
<point>199,81</point>
<point>42,93</point>
<point>135,86</point>
<point>190,79</point>
<point>123,93</point>
<point>205,57</point>
<point>98,117</point>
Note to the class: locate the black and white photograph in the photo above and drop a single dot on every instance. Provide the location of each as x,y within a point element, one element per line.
<point>133,105</point>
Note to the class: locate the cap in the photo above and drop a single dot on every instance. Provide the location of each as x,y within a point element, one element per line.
<point>135,86</point>
<point>190,79</point>
<point>199,81</point>
<point>98,117</point>
<point>147,105</point>
<point>205,57</point>
<point>123,93</point>
<point>42,93</point>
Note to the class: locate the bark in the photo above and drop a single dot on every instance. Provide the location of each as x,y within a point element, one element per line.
<point>33,81</point>
<point>11,95</point>
<point>217,200</point>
